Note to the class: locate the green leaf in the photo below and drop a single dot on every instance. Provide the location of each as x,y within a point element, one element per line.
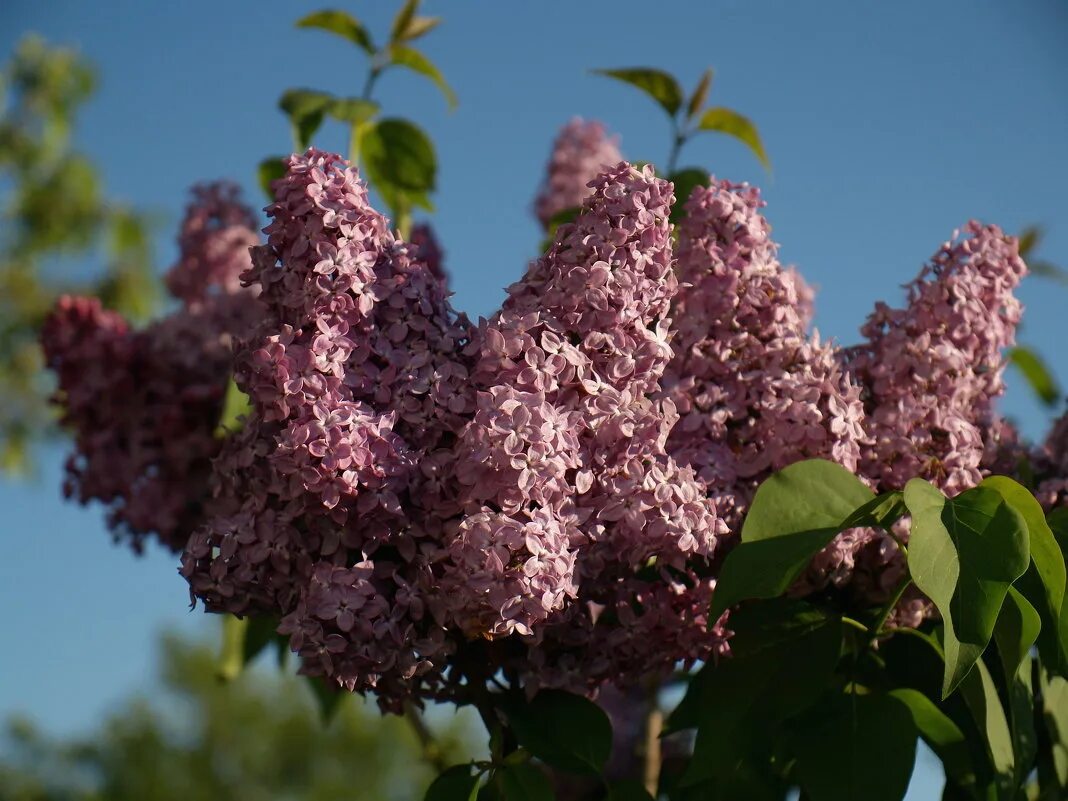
<point>981,696</point>
<point>420,26</point>
<point>403,20</point>
<point>1016,631</point>
<point>398,156</point>
<point>725,121</point>
<point>1043,584</point>
<point>941,734</point>
<point>1047,269</point>
<point>411,58</point>
<point>1028,240</point>
<point>783,656</point>
<point>1054,691</point>
<point>659,85</point>
<point>857,747</point>
<point>963,554</point>
<point>235,408</point>
<point>795,513</point>
<point>260,633</point>
<point>1034,369</point>
<point>563,730</point>
<point>328,698</point>
<point>342,24</point>
<point>457,783</point>
<point>269,171</point>
<point>628,790</point>
<point>305,109</point>
<point>808,495</point>
<point>560,218</point>
<point>524,782</point>
<point>700,94</point>
<point>353,110</point>
<point>232,653</point>
<point>685,181</point>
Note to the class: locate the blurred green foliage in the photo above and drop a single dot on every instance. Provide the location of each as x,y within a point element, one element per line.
<point>193,743</point>
<point>54,221</point>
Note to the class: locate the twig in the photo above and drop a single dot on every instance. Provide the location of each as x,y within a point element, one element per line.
<point>652,756</point>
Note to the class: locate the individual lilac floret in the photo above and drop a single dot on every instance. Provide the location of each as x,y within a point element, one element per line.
<point>216,233</point>
<point>582,150</point>
<point>754,391</point>
<point>932,370</point>
<point>566,437</point>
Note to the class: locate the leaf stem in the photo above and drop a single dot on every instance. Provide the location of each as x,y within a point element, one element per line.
<point>676,146</point>
<point>855,624</point>
<point>654,726</point>
<point>889,607</point>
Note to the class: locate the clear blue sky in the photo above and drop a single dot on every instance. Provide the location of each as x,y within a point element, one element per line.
<point>889,124</point>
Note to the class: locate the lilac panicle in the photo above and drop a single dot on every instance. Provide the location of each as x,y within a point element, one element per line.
<point>582,151</point>
<point>754,391</point>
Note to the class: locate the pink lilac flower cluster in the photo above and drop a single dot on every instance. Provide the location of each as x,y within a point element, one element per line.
<point>569,429</point>
<point>932,370</point>
<point>755,391</point>
<point>930,375</point>
<point>329,504</point>
<point>143,405</point>
<point>582,150</point>
<point>213,244</point>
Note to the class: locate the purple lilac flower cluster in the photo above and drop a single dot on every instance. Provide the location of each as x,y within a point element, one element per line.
<point>547,493</point>
<point>582,150</point>
<point>330,503</point>
<point>755,391</point>
<point>143,405</point>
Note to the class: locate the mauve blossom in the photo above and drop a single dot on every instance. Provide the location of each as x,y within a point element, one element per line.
<point>143,405</point>
<point>755,392</point>
<point>581,152</point>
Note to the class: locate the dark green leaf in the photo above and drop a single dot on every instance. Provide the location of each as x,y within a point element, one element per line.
<point>785,655</point>
<point>795,513</point>
<point>963,554</point>
<point>458,783</point>
<point>685,181</point>
<point>1044,582</point>
<point>259,634</point>
<point>1055,715</point>
<point>941,734</point>
<point>398,156</point>
<point>342,24</point>
<point>725,121</point>
<point>305,109</point>
<point>857,747</point>
<point>1034,369</point>
<point>700,94</point>
<point>269,171</point>
<point>1017,628</point>
<point>659,85</point>
<point>328,697</point>
<point>524,782</point>
<point>563,730</point>
<point>981,696</point>
<point>353,110</point>
<point>411,58</point>
<point>766,568</point>
<point>560,218</point>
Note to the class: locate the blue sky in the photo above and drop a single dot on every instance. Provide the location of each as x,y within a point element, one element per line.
<point>888,125</point>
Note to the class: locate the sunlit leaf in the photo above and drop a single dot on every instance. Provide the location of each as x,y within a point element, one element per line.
<point>725,121</point>
<point>700,94</point>
<point>414,60</point>
<point>659,85</point>
<point>342,24</point>
<point>1034,369</point>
